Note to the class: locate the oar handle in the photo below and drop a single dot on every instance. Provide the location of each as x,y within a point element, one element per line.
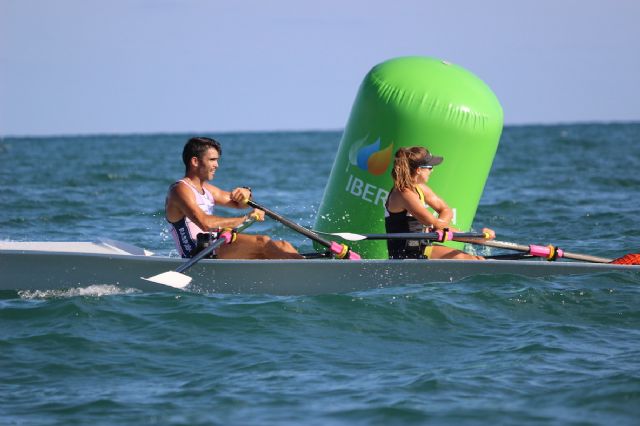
<point>223,238</point>
<point>338,249</point>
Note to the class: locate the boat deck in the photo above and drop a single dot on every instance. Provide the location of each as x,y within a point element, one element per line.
<point>103,246</point>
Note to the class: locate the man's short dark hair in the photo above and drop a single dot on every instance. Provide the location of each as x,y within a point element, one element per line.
<point>196,147</point>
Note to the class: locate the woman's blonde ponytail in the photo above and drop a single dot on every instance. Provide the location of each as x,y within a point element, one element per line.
<point>404,166</point>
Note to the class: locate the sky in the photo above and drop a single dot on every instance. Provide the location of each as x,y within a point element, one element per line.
<point>189,66</point>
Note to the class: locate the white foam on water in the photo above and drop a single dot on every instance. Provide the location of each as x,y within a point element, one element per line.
<point>95,290</point>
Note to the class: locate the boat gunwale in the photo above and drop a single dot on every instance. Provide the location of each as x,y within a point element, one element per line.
<point>440,262</point>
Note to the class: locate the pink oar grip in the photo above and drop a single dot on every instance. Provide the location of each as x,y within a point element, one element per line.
<point>227,236</point>
<point>444,236</point>
<point>543,251</point>
<point>540,251</point>
<point>354,256</point>
<point>339,250</point>
<point>335,248</point>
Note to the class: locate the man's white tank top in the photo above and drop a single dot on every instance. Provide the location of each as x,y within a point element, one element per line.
<point>185,231</point>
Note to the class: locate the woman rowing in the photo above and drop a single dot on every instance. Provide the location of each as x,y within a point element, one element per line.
<point>407,208</point>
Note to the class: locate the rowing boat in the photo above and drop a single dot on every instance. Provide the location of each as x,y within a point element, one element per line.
<point>59,265</point>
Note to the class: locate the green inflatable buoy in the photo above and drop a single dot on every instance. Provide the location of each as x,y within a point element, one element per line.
<point>405,102</point>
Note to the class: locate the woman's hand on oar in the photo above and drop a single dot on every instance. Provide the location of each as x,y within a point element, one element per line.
<point>341,251</point>
<point>177,279</point>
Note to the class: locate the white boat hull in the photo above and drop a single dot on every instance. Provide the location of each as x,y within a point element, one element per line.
<point>44,266</point>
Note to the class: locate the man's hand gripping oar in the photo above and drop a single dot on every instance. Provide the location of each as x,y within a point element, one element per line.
<point>179,280</point>
<point>341,251</point>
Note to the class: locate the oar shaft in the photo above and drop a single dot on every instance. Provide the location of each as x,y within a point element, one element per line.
<point>304,231</point>
<point>542,251</point>
<point>505,245</point>
<point>340,250</point>
<point>176,278</point>
<point>586,257</point>
<point>434,236</point>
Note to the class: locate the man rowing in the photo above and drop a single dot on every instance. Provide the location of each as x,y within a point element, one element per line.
<point>189,209</point>
<point>406,208</point>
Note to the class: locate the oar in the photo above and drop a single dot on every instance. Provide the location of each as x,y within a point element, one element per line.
<point>179,280</point>
<point>439,236</point>
<point>549,252</point>
<point>340,250</point>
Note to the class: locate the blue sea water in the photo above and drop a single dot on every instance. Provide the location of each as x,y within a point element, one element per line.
<point>486,350</point>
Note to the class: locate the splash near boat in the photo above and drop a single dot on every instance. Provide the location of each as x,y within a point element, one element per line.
<point>406,102</point>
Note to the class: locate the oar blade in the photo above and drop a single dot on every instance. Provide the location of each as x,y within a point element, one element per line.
<point>628,259</point>
<point>171,278</point>
<point>177,279</point>
<point>348,236</point>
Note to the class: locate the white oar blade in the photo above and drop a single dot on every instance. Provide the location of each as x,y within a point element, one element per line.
<point>171,278</point>
<point>348,236</point>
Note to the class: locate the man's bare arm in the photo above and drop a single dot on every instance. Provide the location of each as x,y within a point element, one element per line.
<point>181,202</point>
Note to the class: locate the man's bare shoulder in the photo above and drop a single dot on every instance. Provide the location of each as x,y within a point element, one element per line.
<point>179,190</point>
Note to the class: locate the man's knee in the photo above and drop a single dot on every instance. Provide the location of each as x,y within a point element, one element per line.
<point>282,245</point>
<point>262,240</point>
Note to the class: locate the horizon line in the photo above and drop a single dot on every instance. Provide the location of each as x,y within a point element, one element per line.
<point>310,130</point>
